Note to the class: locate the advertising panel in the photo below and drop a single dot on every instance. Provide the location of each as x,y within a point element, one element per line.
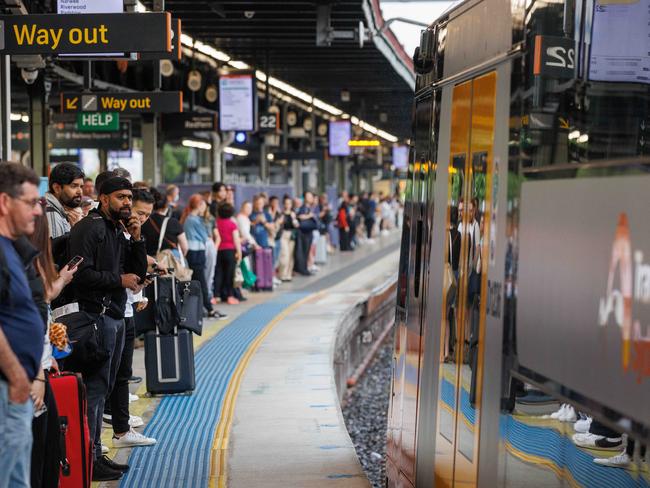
<point>583,293</point>
<point>400,157</point>
<point>237,102</point>
<point>339,134</point>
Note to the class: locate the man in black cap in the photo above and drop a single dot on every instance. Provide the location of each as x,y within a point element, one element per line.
<point>111,264</point>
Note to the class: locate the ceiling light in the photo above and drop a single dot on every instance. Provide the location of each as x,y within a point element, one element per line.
<point>15,117</point>
<point>238,64</point>
<point>235,152</point>
<point>197,144</point>
<point>25,118</point>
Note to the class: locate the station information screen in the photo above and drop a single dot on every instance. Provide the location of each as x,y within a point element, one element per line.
<point>237,102</point>
<point>400,157</point>
<point>339,138</point>
<point>620,46</point>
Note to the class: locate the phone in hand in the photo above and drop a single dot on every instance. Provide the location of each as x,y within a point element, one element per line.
<point>74,262</point>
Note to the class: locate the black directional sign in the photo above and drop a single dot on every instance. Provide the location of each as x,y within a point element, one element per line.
<point>64,135</point>
<point>85,33</point>
<point>126,103</point>
<point>175,53</point>
<point>189,122</point>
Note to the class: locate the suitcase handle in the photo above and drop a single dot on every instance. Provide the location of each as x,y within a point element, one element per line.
<point>65,464</point>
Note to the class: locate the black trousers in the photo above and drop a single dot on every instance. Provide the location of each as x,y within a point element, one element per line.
<point>117,404</point>
<point>344,240</point>
<point>370,223</point>
<point>46,453</point>
<point>303,245</point>
<point>224,277</point>
<point>196,261</point>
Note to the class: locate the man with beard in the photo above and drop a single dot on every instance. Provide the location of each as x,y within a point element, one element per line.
<point>111,265</point>
<point>64,198</point>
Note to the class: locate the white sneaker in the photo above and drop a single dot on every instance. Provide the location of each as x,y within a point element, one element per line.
<point>276,281</point>
<point>592,441</point>
<point>556,415</point>
<point>132,439</point>
<point>133,398</point>
<point>582,425</point>
<point>569,415</point>
<point>105,449</point>
<point>621,460</point>
<point>135,421</point>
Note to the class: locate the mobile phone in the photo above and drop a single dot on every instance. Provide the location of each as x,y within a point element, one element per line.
<point>75,261</point>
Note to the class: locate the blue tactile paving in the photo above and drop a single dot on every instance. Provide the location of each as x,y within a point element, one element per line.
<point>184,425</point>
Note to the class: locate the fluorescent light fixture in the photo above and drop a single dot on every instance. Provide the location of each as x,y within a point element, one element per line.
<point>15,117</point>
<point>385,135</point>
<point>25,118</point>
<point>270,156</point>
<point>238,64</point>
<point>363,143</point>
<point>574,135</point>
<point>197,144</point>
<point>327,107</point>
<point>583,138</point>
<point>235,151</point>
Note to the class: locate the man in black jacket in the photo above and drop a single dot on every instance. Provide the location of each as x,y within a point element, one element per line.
<point>111,264</point>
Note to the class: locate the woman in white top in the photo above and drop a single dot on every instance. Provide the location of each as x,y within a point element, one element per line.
<point>244,224</point>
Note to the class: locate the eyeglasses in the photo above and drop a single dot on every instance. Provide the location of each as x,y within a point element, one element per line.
<point>30,202</point>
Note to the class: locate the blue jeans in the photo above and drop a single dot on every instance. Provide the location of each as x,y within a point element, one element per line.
<point>15,440</point>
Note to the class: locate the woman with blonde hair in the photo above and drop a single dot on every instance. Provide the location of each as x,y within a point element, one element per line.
<point>197,240</point>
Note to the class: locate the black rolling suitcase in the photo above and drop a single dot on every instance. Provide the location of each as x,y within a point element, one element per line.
<point>168,350</point>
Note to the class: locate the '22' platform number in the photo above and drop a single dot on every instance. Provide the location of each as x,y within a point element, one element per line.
<point>560,57</point>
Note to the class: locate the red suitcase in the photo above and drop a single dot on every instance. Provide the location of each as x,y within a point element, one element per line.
<point>264,269</point>
<point>70,396</point>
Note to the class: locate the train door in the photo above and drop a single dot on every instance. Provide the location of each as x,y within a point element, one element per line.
<point>465,282</point>
<point>406,361</point>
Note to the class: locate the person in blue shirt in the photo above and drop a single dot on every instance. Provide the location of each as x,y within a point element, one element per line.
<point>261,222</point>
<point>21,325</point>
<point>197,241</point>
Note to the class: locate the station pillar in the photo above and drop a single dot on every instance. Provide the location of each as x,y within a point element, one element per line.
<point>38,149</point>
<point>296,175</point>
<point>150,161</point>
<point>5,107</point>
<point>265,167</point>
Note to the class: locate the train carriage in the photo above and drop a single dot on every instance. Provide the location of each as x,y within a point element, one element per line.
<point>524,274</point>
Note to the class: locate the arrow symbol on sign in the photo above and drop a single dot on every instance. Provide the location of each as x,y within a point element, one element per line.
<point>71,104</point>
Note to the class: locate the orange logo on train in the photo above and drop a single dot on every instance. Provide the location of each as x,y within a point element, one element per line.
<point>633,285</point>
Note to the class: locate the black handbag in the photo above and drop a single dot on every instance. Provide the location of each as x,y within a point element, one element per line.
<point>191,306</point>
<point>88,350</point>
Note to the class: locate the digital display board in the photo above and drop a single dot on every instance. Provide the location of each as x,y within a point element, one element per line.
<point>339,138</point>
<point>400,157</point>
<point>620,46</point>
<point>237,102</point>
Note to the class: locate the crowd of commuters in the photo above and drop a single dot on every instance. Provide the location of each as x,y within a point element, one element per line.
<point>120,231</point>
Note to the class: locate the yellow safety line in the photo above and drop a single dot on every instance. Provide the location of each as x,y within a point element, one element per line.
<point>218,465</point>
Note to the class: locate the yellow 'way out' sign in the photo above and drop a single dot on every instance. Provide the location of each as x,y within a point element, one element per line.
<point>85,33</point>
<point>133,102</point>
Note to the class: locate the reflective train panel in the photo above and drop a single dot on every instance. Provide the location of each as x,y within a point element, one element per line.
<point>522,341</point>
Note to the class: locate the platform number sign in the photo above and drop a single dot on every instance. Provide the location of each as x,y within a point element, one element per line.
<point>269,122</point>
<point>555,57</point>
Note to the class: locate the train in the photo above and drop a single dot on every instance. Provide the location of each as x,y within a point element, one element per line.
<point>522,326</point>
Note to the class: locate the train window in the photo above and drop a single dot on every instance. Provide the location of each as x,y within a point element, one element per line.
<point>564,118</point>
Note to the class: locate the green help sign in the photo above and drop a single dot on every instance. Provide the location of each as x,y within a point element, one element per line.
<point>98,122</point>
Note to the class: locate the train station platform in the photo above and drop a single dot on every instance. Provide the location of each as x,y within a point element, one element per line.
<point>265,410</point>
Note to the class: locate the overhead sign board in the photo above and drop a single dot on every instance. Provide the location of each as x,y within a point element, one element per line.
<point>175,53</point>
<point>89,6</point>
<point>65,135</point>
<point>189,122</point>
<point>85,33</point>
<point>98,122</point>
<point>126,103</point>
<point>237,103</point>
<point>269,122</point>
<point>339,132</point>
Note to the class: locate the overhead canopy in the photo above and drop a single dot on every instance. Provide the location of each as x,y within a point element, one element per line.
<point>280,38</point>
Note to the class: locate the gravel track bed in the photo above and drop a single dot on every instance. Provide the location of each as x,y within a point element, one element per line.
<point>365,413</point>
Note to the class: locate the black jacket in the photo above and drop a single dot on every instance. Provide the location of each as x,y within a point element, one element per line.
<point>28,254</point>
<point>107,255</point>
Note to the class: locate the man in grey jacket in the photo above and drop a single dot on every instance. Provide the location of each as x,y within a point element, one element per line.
<point>64,198</point>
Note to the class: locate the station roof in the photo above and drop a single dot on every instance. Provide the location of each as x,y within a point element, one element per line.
<point>279,38</point>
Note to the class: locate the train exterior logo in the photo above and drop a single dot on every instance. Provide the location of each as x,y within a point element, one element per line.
<point>633,286</point>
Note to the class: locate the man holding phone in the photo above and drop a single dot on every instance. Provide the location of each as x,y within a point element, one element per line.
<point>110,265</point>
